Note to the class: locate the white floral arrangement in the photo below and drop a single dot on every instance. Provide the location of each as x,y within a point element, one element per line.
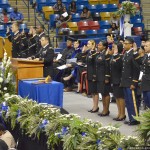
<point>7,87</point>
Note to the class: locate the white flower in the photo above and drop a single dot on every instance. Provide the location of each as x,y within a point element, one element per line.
<point>5,88</point>
<point>6,95</point>
<point>1,79</point>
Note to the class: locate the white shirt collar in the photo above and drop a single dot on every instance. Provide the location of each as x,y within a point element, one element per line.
<point>45,45</point>
<point>16,32</point>
<point>129,51</point>
<point>148,54</point>
<point>41,34</point>
<point>34,35</point>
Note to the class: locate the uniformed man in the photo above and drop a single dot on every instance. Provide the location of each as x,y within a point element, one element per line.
<point>46,54</point>
<point>146,75</point>
<point>129,81</point>
<point>19,41</point>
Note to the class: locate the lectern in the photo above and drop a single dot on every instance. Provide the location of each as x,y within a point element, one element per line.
<point>24,69</point>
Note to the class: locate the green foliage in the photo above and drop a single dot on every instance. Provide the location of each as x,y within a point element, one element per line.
<point>144,128</point>
<point>127,7</point>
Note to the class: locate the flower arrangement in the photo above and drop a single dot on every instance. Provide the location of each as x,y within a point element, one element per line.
<point>69,129</point>
<point>127,7</point>
<point>6,84</point>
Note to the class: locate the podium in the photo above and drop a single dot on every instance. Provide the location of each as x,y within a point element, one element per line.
<point>25,69</point>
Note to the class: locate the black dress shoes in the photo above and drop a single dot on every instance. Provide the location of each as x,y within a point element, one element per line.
<point>116,118</point>
<point>121,119</point>
<point>103,115</point>
<point>131,123</point>
<point>96,110</point>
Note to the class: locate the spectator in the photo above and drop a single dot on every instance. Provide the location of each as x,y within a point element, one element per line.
<point>61,23</point>
<point>4,17</point>
<point>115,20</point>
<point>59,7</point>
<point>86,14</point>
<point>7,137</point>
<point>114,29</point>
<point>16,16</point>
<point>72,7</point>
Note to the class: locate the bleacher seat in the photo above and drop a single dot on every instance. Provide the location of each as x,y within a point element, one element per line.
<point>94,25</point>
<point>2,31</point>
<point>82,34</point>
<point>102,8</point>
<point>113,1</point>
<point>103,2</point>
<point>73,26</point>
<point>102,31</point>
<point>83,25</point>
<point>92,8</point>
<point>96,16</point>
<point>47,10</point>
<point>40,4</point>
<point>91,33</point>
<point>23,26</point>
<point>112,7</point>
<point>76,17</point>
<point>80,8</point>
<point>93,2</point>
<point>10,9</point>
<point>1,9</point>
<point>51,2</point>
<point>52,20</point>
<point>4,4</point>
<point>82,2</point>
<point>104,24</point>
<point>105,15</point>
<point>58,50</point>
<point>139,25</point>
<point>138,30</point>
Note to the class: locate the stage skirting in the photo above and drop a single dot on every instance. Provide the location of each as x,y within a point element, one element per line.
<point>51,93</point>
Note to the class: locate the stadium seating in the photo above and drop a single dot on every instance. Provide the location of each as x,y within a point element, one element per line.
<point>80,8</point>
<point>83,25</point>
<point>2,31</point>
<point>112,7</point>
<point>105,15</point>
<point>93,2</point>
<point>10,9</point>
<point>82,2</point>
<point>113,1</point>
<point>92,8</point>
<point>40,4</point>
<point>47,10</point>
<point>52,20</point>
<point>96,16</point>
<point>76,17</point>
<point>102,8</point>
<point>103,2</point>
<point>73,26</point>
<point>104,24</point>
<point>94,25</point>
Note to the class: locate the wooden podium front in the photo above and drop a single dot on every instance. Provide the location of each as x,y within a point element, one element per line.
<point>25,69</point>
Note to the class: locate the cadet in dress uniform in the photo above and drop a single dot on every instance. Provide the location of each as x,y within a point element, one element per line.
<point>91,75</point>
<point>103,76</point>
<point>19,41</point>
<point>116,70</point>
<point>129,81</point>
<point>146,75</point>
<point>32,42</point>
<point>46,54</point>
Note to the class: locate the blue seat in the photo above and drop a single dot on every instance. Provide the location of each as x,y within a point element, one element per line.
<point>52,20</point>
<point>2,28</point>
<point>139,25</point>
<point>23,26</point>
<point>136,1</point>
<point>4,4</point>
<point>103,8</point>
<point>85,40</point>
<point>91,33</point>
<point>40,3</point>
<point>2,31</point>
<point>62,45</point>
<point>51,2</point>
<point>112,7</point>
<point>135,20</point>
<point>102,31</point>
<point>96,16</point>
<point>10,9</point>
<point>76,17</point>
<point>92,8</point>
<point>80,8</point>
<point>104,24</point>
<point>1,9</point>
<point>82,2</point>
<point>58,50</point>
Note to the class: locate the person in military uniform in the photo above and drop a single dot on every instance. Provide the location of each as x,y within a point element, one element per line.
<point>145,84</point>
<point>32,42</point>
<point>129,80</point>
<point>19,41</point>
<point>46,54</point>
<point>116,69</point>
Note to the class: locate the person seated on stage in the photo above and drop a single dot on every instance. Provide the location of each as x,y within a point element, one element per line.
<point>46,54</point>
<point>65,54</point>
<point>3,145</point>
<point>7,137</point>
<point>4,17</point>
<point>19,40</point>
<point>58,7</point>
<point>71,69</point>
<point>72,7</point>
<point>16,16</point>
<point>86,14</point>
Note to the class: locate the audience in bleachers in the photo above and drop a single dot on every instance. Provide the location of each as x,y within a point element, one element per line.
<point>4,17</point>
<point>86,14</point>
<point>59,7</point>
<point>16,16</point>
<point>72,7</point>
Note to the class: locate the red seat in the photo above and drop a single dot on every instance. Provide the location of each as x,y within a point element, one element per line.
<point>83,25</point>
<point>138,30</point>
<point>94,25</point>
